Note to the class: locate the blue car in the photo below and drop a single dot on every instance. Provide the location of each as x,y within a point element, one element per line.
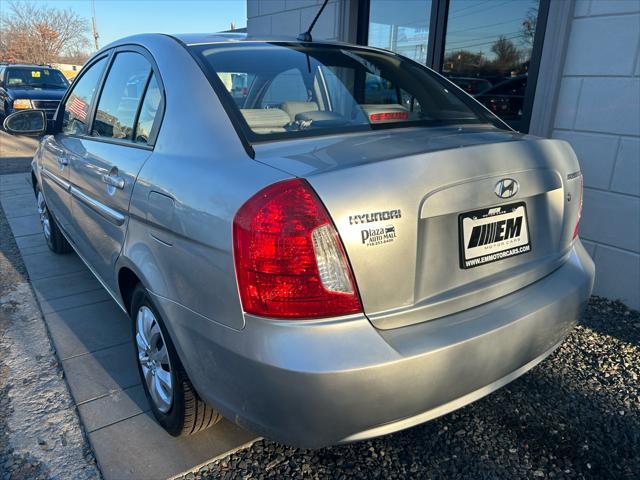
<point>30,87</point>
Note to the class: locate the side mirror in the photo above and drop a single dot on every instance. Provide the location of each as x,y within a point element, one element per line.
<point>26,122</point>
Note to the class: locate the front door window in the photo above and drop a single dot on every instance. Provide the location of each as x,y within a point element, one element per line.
<point>78,104</point>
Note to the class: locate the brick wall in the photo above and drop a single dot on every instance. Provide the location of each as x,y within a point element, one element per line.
<point>290,17</point>
<point>598,112</point>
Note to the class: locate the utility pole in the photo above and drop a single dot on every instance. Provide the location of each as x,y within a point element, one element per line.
<point>95,28</point>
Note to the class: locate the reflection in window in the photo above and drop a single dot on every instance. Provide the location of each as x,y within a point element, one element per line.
<point>286,87</point>
<point>148,111</point>
<point>488,50</point>
<point>402,27</point>
<point>237,84</point>
<point>76,109</point>
<point>120,96</point>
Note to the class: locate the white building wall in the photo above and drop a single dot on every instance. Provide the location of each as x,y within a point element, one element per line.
<point>291,17</point>
<point>598,112</point>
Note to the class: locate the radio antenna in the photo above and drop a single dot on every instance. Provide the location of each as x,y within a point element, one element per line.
<point>306,36</point>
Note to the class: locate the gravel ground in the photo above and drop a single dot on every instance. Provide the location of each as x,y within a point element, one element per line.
<point>40,433</point>
<point>576,415</point>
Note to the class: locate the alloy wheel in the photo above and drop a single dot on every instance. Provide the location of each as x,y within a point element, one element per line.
<point>45,220</point>
<point>153,357</point>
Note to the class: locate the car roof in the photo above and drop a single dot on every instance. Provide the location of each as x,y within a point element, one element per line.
<point>230,37</point>
<point>191,39</point>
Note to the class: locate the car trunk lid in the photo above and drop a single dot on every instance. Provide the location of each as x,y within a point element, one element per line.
<point>397,197</point>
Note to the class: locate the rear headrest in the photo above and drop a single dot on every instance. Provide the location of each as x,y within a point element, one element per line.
<point>265,120</point>
<point>294,108</point>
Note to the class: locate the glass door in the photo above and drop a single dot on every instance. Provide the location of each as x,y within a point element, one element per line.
<point>402,27</point>
<point>487,52</point>
<point>489,48</point>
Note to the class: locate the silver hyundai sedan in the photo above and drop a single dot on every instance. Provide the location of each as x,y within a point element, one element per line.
<point>321,242</point>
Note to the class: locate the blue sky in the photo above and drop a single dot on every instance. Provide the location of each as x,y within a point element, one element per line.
<point>473,24</point>
<point>120,18</point>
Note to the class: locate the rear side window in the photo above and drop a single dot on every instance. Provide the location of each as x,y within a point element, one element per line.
<point>120,98</point>
<point>148,111</point>
<point>78,103</point>
<point>302,90</point>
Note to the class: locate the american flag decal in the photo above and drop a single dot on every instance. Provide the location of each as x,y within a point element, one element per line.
<point>78,107</point>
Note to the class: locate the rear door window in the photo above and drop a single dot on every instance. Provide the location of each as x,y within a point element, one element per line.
<point>120,98</point>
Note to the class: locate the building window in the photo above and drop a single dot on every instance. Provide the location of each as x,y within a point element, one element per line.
<point>487,52</point>
<point>404,30</point>
<point>489,48</point>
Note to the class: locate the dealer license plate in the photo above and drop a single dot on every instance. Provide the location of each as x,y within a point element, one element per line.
<point>493,234</point>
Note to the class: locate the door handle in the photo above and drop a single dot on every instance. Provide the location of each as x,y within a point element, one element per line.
<point>113,180</point>
<point>62,160</point>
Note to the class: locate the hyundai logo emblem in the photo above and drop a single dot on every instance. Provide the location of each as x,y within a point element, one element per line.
<point>506,188</point>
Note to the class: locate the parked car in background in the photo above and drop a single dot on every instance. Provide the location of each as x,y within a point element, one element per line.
<point>506,99</point>
<point>350,247</point>
<point>30,87</point>
<point>471,85</point>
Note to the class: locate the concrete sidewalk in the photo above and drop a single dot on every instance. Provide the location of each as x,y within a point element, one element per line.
<point>92,339</point>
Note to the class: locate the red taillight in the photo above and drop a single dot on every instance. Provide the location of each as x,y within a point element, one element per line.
<point>290,262</point>
<point>381,117</point>
<point>577,227</point>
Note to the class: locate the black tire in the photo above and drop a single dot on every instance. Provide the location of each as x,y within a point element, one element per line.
<point>54,237</point>
<point>188,414</point>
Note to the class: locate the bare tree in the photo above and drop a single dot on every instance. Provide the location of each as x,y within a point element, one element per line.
<point>39,34</point>
<point>529,26</point>
<point>507,54</point>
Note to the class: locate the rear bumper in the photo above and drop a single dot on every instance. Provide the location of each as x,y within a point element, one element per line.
<point>317,383</point>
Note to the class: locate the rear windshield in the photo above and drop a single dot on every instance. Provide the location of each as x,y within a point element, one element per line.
<point>35,77</point>
<point>288,90</point>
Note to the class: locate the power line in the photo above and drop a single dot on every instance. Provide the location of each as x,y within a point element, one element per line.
<point>475,13</point>
<point>472,6</point>
<point>483,37</point>
<point>462,47</point>
<point>486,26</point>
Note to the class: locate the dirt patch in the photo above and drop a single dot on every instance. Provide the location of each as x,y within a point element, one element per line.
<point>40,433</point>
